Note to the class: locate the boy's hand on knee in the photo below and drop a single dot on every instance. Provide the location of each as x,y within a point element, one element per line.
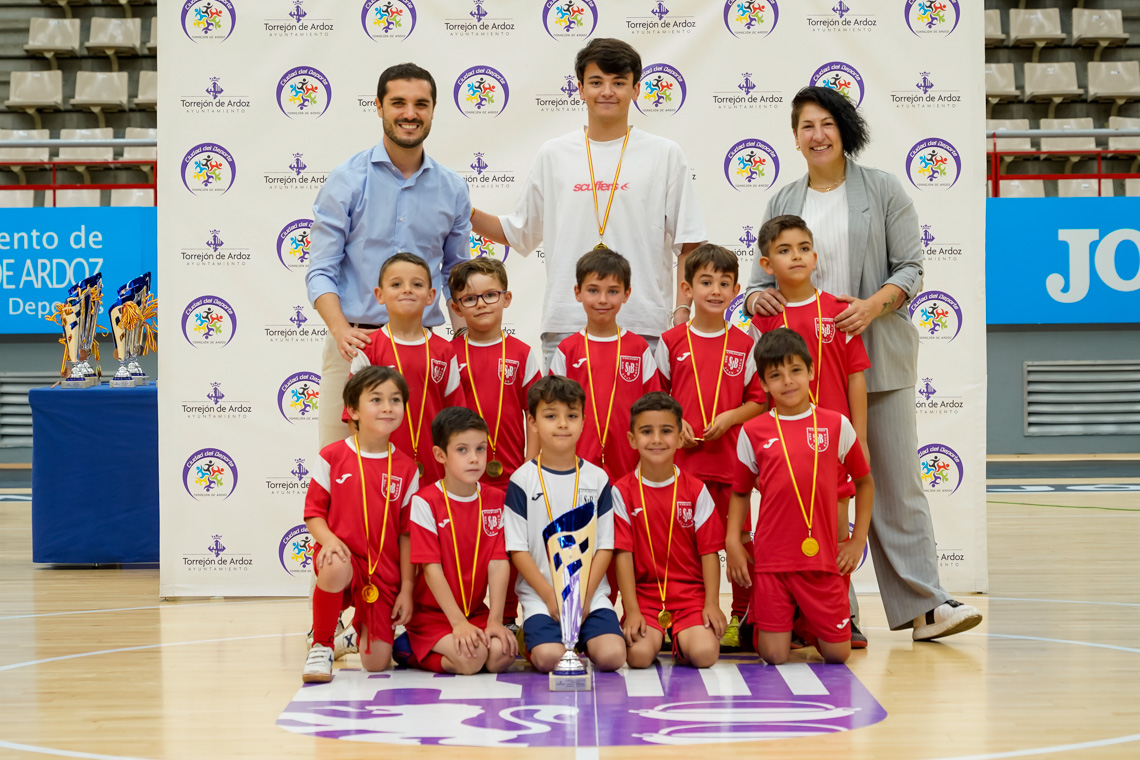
<point>713,618</point>
<point>508,642</point>
<point>468,638</point>
<point>634,628</point>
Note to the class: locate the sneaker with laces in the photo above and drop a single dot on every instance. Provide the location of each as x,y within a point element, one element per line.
<point>345,642</point>
<point>946,619</point>
<point>318,665</point>
<point>731,638</point>
<point>858,640</point>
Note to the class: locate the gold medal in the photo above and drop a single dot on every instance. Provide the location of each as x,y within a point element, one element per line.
<point>665,618</point>
<point>494,468</point>
<point>370,593</point>
<point>420,468</point>
<point>601,247</point>
<point>810,547</point>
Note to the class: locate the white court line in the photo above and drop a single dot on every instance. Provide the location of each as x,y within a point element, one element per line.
<point>1044,750</point>
<point>168,606</point>
<point>724,680</point>
<point>1061,601</point>
<point>801,679</point>
<point>62,752</point>
<point>645,682</point>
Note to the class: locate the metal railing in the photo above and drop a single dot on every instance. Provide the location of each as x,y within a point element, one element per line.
<point>148,166</point>
<point>995,173</point>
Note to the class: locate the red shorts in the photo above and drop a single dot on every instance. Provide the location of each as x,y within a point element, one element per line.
<point>685,617</point>
<point>427,627</point>
<point>822,599</point>
<point>376,617</point>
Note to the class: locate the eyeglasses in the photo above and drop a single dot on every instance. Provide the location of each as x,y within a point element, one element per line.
<point>489,298</point>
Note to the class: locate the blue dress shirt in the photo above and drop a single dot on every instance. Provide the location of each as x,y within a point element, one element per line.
<point>366,211</point>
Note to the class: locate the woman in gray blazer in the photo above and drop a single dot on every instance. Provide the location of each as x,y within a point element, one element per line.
<point>866,234</point>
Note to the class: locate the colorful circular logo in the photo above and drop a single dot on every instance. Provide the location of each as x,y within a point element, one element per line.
<point>933,163</point>
<point>481,91</point>
<point>751,164</point>
<point>298,397</point>
<point>841,77</point>
<point>663,90</point>
<point>481,247</point>
<point>940,468</point>
<point>304,92</point>
<point>208,169</point>
<point>937,316</point>
<point>209,321</point>
<point>570,19</point>
<point>751,18</point>
<point>388,19</point>
<point>293,245</point>
<point>208,20</point>
<point>735,314</point>
<point>932,18</point>
<point>295,551</point>
<point>210,474</point>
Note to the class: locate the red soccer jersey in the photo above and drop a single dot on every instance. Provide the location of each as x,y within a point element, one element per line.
<point>697,530</point>
<point>436,534</point>
<point>481,364</point>
<point>335,494</point>
<point>781,527</point>
<point>681,369</point>
<point>843,354</point>
<point>636,375</point>
<point>430,391</point>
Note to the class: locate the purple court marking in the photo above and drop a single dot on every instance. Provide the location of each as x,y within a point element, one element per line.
<point>731,702</point>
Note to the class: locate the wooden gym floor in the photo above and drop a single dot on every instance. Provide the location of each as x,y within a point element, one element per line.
<point>92,665</point>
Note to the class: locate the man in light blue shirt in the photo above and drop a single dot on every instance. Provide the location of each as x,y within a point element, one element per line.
<point>381,201</point>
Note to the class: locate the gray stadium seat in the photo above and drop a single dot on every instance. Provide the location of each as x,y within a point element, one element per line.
<point>1052,83</point>
<point>1100,27</point>
<point>100,91</point>
<point>35,91</point>
<point>1068,143</point>
<point>1008,143</point>
<point>1114,81</point>
<point>114,37</point>
<point>52,38</point>
<point>1132,188</point>
<point>30,155</point>
<point>152,46</point>
<point>73,198</point>
<point>1124,144</point>
<point>1083,188</point>
<point>1022,188</point>
<point>17,198</point>
<point>142,154</point>
<point>995,37</point>
<point>147,96</point>
<point>1000,84</point>
<point>132,197</point>
<point>86,154</point>
<point>1036,27</point>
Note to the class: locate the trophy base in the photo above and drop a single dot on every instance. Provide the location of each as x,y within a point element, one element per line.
<point>580,681</point>
<point>123,382</point>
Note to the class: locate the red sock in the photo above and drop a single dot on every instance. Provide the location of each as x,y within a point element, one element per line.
<point>326,611</point>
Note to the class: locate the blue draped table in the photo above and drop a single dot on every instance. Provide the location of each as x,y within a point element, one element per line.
<point>94,475</point>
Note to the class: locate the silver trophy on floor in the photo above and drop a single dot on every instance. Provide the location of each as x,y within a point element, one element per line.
<point>570,544</point>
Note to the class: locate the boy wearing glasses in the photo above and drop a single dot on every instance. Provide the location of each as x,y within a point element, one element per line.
<point>496,371</point>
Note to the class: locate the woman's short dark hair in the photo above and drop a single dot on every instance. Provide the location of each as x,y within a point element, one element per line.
<point>853,130</point>
<point>403,71</point>
<point>612,56</point>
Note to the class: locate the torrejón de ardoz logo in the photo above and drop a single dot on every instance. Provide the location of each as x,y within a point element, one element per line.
<point>751,164</point>
<point>483,171</point>
<point>217,403</point>
<point>216,97</point>
<point>843,17</point>
<point>209,321</point>
<point>216,249</point>
<point>932,399</point>
<point>291,171</point>
<point>936,248</point>
<point>746,94</point>
<point>751,18</point>
<point>210,474</point>
<point>476,19</point>
<point>290,479</point>
<point>388,20</point>
<point>664,17</point>
<point>297,329</point>
<point>299,19</point>
<point>924,90</point>
<point>208,21</point>
<point>298,397</point>
<point>216,556</point>
<point>562,96</point>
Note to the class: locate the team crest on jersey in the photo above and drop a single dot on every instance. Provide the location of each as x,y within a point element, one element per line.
<point>508,371</point>
<point>438,370</point>
<point>630,368</point>
<point>817,438</point>
<point>828,329</point>
<point>734,363</point>
<point>391,487</point>
<point>492,522</point>
<point>685,513</point>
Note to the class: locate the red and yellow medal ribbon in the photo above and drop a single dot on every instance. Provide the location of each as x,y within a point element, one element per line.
<point>814,397</point>
<point>809,514</point>
<point>414,432</point>
<point>542,485</point>
<point>602,434</point>
<point>455,546</point>
<point>492,439</point>
<point>697,376</point>
<point>662,588</point>
<point>602,222</point>
<point>387,486</point>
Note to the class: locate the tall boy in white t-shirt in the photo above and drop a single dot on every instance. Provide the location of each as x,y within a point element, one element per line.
<point>608,184</point>
<point>551,484</point>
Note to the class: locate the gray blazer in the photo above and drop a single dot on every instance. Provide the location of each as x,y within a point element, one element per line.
<point>884,247</point>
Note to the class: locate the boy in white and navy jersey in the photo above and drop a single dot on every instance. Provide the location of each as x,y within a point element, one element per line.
<point>457,539</point>
<point>667,535</point>
<point>356,510</point>
<point>553,483</point>
<point>793,456</point>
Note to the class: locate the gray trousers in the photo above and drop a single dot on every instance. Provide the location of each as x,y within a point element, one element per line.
<point>902,534</point>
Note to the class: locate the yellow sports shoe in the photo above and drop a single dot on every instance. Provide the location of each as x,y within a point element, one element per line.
<point>731,638</point>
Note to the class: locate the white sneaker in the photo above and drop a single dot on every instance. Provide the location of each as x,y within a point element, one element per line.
<point>318,666</point>
<point>946,619</point>
<point>339,629</point>
<point>345,642</point>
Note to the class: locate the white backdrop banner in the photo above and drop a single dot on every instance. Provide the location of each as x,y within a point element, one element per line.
<point>275,94</point>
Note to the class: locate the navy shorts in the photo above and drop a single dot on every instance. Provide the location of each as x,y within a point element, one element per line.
<point>543,629</point>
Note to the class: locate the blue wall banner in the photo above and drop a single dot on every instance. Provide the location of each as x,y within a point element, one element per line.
<point>43,251</point>
<point>1062,261</point>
